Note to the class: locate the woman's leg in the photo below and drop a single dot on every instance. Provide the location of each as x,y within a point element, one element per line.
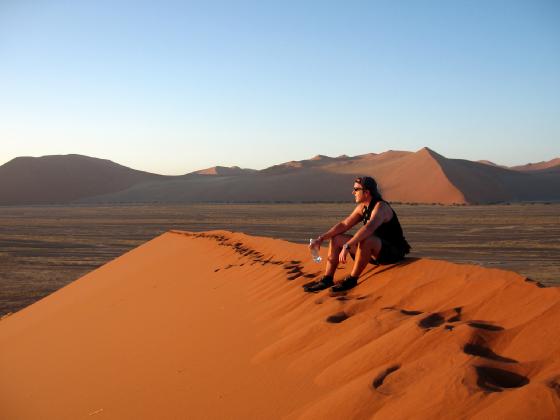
<point>366,249</point>
<point>335,247</point>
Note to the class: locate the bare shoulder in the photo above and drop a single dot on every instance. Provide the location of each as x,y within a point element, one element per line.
<point>384,210</point>
<point>358,209</point>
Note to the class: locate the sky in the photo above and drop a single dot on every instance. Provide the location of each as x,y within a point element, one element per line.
<point>175,86</point>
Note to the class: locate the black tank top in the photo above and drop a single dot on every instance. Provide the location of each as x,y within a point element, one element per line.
<point>390,231</point>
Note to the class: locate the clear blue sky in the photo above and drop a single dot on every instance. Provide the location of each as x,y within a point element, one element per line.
<point>175,86</point>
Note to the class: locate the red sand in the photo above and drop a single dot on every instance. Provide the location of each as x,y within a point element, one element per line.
<point>186,326</point>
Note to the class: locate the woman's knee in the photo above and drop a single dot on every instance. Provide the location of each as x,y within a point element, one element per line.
<point>371,243</point>
<point>338,240</point>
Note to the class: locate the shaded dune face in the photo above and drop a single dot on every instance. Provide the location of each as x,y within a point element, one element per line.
<point>481,183</point>
<point>199,325</point>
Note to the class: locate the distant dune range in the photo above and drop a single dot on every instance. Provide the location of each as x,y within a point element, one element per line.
<point>416,177</point>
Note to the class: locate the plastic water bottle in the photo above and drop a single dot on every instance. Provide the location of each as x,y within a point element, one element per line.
<point>314,252</point>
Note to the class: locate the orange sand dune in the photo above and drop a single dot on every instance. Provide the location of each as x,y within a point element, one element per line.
<point>216,325</point>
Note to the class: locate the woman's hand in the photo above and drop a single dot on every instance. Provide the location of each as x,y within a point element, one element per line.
<point>316,243</point>
<point>342,255</point>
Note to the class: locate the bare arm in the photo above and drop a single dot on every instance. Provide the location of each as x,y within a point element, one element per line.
<point>341,226</point>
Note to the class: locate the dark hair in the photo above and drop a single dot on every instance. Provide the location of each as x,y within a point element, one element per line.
<point>368,183</point>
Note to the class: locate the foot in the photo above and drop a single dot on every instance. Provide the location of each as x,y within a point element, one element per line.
<point>314,282</point>
<point>346,284</point>
<point>322,284</point>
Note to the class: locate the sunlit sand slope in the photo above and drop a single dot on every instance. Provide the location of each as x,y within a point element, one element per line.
<point>216,325</point>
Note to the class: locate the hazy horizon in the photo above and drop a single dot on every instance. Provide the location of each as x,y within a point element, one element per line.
<point>177,87</point>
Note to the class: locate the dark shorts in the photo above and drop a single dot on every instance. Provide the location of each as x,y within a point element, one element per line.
<point>389,254</point>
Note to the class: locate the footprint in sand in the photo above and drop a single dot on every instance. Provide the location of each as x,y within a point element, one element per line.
<point>378,381</point>
<point>485,352</point>
<point>288,266</point>
<point>491,379</point>
<point>294,271</point>
<point>457,316</point>
<point>295,276</point>
<point>431,321</point>
<point>554,384</point>
<point>410,313</point>
<point>484,326</point>
<point>337,318</point>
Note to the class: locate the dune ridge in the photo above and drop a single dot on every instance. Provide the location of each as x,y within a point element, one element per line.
<point>215,324</point>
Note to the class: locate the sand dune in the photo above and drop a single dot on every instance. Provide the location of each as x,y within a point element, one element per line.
<point>481,183</point>
<point>216,325</point>
<point>64,178</point>
<point>408,177</point>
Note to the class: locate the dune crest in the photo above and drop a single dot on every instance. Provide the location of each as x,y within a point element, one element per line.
<point>215,324</point>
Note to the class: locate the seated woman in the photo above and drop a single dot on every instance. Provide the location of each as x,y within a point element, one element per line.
<point>379,241</point>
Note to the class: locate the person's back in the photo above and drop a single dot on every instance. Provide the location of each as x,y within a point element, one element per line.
<point>391,231</point>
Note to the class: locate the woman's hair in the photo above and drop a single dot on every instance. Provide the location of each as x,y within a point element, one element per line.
<point>369,184</point>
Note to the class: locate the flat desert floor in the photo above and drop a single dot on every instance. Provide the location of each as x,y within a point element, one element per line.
<point>43,248</point>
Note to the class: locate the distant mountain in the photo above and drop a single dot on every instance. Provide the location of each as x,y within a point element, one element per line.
<point>418,177</point>
<point>64,178</point>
